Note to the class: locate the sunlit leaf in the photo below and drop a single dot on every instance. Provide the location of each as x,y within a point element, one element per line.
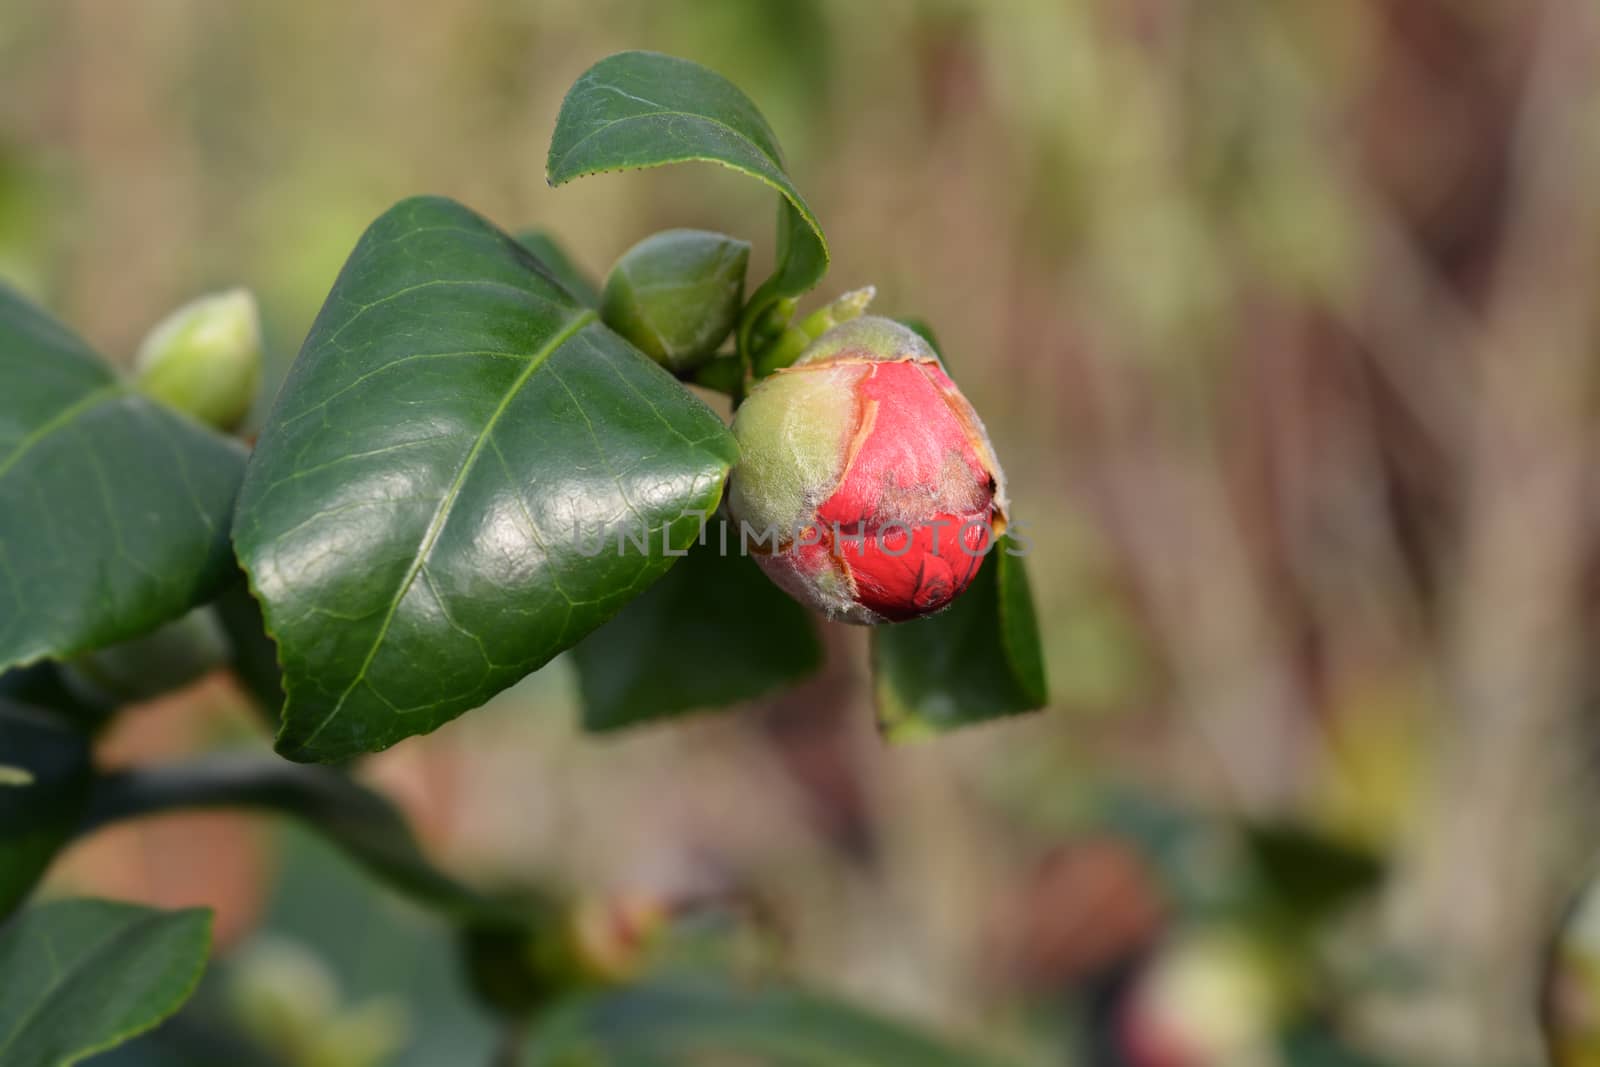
<point>456,432</point>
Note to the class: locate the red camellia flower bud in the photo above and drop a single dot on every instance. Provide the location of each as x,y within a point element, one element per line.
<point>866,485</point>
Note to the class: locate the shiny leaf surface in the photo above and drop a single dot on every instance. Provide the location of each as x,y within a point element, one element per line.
<point>418,518</point>
<point>113,509</point>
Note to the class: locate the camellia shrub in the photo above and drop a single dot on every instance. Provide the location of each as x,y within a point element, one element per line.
<point>480,460</point>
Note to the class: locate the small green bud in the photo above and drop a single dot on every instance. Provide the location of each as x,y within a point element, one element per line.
<point>676,295</point>
<point>205,358</point>
<point>568,943</point>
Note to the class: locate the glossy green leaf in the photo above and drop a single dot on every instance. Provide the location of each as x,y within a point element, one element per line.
<point>44,781</point>
<point>113,509</point>
<point>688,1024</point>
<point>979,659</point>
<point>433,509</point>
<point>713,632</point>
<point>80,976</point>
<point>644,109</point>
<point>547,250</point>
<point>359,821</point>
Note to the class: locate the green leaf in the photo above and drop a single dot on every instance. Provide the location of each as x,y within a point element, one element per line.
<point>979,659</point>
<point>169,657</point>
<point>547,250</point>
<point>359,821</point>
<point>254,656</point>
<point>80,976</point>
<point>41,685</point>
<point>44,781</point>
<point>685,1024</point>
<point>418,519</point>
<point>644,109</point>
<point>113,509</point>
<point>714,631</point>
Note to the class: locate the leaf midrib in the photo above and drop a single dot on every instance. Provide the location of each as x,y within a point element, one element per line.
<point>61,419</point>
<point>61,980</point>
<point>441,514</point>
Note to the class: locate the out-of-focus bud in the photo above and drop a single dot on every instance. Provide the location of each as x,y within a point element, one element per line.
<point>566,944</point>
<point>285,998</point>
<point>866,486</point>
<point>1209,999</point>
<point>676,295</point>
<point>205,358</point>
<point>612,936</point>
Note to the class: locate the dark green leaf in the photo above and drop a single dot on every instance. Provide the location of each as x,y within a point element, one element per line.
<point>419,517</point>
<point>359,821</point>
<point>113,509</point>
<point>1306,878</point>
<point>169,657</point>
<point>81,976</point>
<point>547,250</point>
<point>44,780</point>
<point>684,1025</point>
<point>254,656</point>
<point>714,631</point>
<point>41,685</point>
<point>979,659</point>
<point>1313,1046</point>
<point>644,109</point>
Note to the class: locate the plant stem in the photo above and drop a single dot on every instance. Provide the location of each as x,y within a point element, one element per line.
<point>354,818</point>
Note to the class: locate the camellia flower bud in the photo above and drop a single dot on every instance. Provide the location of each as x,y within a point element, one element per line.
<point>676,295</point>
<point>866,486</point>
<point>205,358</point>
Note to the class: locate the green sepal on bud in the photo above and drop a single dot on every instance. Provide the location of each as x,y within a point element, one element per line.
<point>676,295</point>
<point>795,338</point>
<point>205,359</point>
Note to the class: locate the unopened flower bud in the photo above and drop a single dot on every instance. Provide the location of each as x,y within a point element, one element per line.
<point>205,358</point>
<point>866,485</point>
<point>676,295</point>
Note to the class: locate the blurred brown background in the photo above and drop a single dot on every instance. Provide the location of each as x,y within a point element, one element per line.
<point>1282,318</point>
